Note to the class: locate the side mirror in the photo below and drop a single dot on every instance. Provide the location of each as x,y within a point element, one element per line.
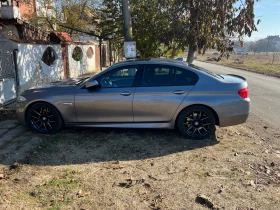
<point>92,84</point>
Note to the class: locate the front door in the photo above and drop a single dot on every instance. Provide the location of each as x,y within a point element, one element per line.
<point>112,101</point>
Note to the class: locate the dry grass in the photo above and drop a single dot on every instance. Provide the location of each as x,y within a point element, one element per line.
<point>260,63</point>
<point>147,169</point>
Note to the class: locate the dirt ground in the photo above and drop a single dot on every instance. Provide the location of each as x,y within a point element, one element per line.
<point>259,63</point>
<point>238,168</point>
<point>7,113</point>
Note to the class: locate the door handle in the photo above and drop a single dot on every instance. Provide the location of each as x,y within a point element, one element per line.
<point>125,93</point>
<point>178,92</point>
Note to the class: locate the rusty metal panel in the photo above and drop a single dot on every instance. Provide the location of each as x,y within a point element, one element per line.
<point>7,67</point>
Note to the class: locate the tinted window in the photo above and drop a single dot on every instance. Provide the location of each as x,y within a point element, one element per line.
<point>158,75</point>
<point>121,77</point>
<point>206,71</point>
<point>185,77</point>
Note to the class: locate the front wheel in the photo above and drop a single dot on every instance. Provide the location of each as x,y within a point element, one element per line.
<point>196,122</point>
<point>44,118</point>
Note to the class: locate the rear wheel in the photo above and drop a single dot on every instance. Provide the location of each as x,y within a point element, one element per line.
<point>196,122</point>
<point>44,118</point>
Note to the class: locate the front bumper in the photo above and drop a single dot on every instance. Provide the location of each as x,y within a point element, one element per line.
<point>234,114</point>
<point>20,113</point>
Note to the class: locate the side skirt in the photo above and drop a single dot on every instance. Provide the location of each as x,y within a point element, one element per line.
<point>166,125</point>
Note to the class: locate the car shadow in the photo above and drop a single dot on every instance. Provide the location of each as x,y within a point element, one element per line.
<point>93,145</point>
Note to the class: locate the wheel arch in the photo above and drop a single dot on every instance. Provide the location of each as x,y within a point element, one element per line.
<point>217,120</point>
<point>40,101</point>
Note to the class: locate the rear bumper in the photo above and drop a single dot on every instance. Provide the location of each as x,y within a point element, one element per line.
<point>234,114</point>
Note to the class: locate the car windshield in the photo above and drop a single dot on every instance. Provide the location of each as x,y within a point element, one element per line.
<point>206,71</point>
<point>85,79</point>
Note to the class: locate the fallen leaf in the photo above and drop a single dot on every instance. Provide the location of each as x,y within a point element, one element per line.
<point>147,185</point>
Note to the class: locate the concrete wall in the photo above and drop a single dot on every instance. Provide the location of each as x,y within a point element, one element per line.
<point>86,65</point>
<point>32,71</point>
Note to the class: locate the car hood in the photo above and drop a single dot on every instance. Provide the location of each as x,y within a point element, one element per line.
<point>62,83</point>
<point>65,84</point>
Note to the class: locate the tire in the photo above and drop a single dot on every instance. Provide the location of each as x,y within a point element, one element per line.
<point>196,122</point>
<point>44,118</point>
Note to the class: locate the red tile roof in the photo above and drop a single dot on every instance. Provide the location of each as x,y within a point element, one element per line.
<point>63,36</point>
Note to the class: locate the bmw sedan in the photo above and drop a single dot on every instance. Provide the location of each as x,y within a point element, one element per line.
<point>151,93</point>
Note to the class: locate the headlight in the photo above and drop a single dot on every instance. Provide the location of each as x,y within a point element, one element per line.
<point>21,99</point>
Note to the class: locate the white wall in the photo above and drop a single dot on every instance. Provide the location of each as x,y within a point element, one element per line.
<point>86,65</point>
<point>32,71</point>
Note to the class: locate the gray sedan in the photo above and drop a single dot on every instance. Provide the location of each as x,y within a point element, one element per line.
<point>151,93</point>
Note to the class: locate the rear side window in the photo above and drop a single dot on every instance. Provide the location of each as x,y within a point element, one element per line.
<point>158,75</point>
<point>185,77</point>
<point>163,75</point>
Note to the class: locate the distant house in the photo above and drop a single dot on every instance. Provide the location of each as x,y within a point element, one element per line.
<point>240,52</point>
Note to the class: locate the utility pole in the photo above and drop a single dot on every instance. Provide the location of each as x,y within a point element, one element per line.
<point>127,20</point>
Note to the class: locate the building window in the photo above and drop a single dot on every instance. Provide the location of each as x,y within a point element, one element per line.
<point>49,56</point>
<point>6,3</point>
<point>90,52</point>
<point>77,54</point>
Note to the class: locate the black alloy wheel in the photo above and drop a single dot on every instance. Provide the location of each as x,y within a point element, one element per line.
<point>44,118</point>
<point>196,122</point>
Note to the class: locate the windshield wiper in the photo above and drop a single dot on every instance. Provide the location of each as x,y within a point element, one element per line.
<point>81,80</point>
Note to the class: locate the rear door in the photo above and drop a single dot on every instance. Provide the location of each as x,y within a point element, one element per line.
<point>163,89</point>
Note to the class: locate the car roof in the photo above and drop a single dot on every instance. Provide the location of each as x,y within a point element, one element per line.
<point>152,61</point>
<point>161,61</point>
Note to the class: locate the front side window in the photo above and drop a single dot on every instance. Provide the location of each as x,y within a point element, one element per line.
<point>158,75</point>
<point>120,77</point>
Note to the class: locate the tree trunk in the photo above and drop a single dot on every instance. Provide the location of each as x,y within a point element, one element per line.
<point>127,20</point>
<point>191,52</point>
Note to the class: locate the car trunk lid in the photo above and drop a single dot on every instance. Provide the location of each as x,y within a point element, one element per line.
<point>232,78</point>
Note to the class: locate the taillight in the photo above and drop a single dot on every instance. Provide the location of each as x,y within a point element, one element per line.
<point>244,93</point>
